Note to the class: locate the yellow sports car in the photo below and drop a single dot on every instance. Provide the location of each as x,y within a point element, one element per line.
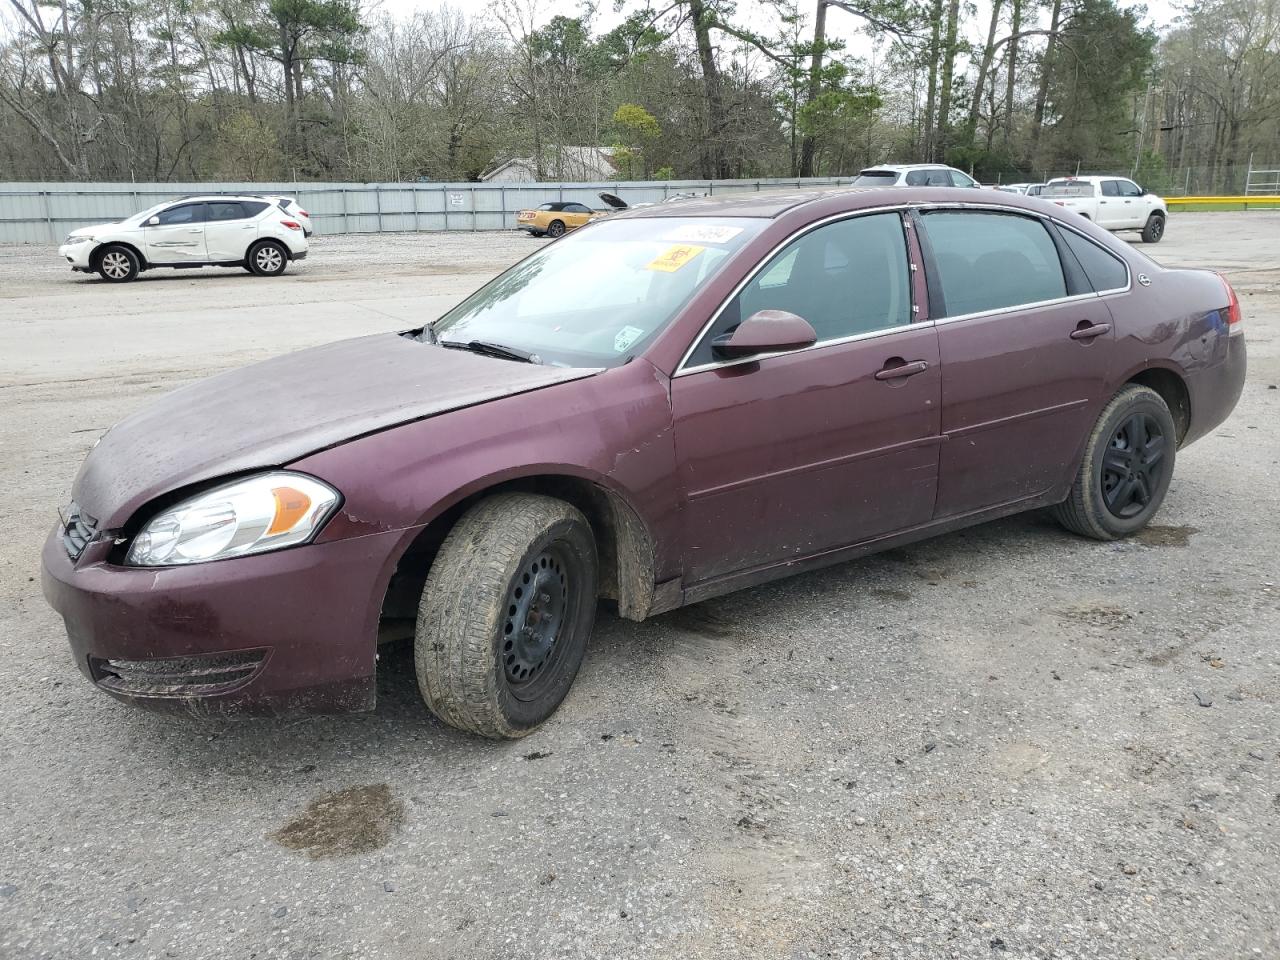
<point>557,219</point>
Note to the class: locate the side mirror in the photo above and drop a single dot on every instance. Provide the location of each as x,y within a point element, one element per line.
<point>766,331</point>
<point>153,221</point>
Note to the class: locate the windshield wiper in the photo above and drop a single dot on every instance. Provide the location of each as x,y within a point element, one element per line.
<point>492,350</point>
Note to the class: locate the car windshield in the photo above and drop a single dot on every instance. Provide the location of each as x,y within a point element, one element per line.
<point>598,296</point>
<point>139,217</point>
<point>1066,188</point>
<point>875,178</point>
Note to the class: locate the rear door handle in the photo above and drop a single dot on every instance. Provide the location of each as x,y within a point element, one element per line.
<point>896,367</point>
<point>1090,331</point>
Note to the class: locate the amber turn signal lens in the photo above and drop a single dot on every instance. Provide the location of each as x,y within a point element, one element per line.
<point>291,506</point>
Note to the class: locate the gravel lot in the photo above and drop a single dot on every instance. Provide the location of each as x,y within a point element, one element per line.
<point>1007,742</point>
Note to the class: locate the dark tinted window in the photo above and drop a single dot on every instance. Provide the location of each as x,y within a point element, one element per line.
<point>1111,188</point>
<point>929,178</point>
<point>875,178</point>
<point>846,278</point>
<point>987,261</point>
<point>253,207</point>
<point>547,206</point>
<point>187,213</point>
<point>576,208</point>
<point>223,210</point>
<point>1105,270</point>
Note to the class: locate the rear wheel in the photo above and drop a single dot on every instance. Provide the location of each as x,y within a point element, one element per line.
<point>555,229</point>
<point>505,615</point>
<point>1126,470</point>
<point>1154,229</point>
<point>117,264</point>
<point>267,259</point>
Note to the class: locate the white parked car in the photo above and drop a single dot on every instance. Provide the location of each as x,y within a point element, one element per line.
<point>913,175</point>
<point>1026,189</point>
<point>1115,203</point>
<point>249,232</point>
<point>294,209</point>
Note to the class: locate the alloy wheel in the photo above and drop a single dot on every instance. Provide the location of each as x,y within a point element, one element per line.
<point>1133,465</point>
<point>116,265</point>
<point>268,259</point>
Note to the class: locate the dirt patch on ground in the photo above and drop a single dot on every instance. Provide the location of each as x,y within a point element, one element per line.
<point>1154,536</point>
<point>343,823</point>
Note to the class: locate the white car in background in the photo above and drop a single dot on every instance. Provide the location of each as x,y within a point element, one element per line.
<point>213,231</point>
<point>1115,203</point>
<point>294,209</point>
<point>1026,189</point>
<point>913,175</point>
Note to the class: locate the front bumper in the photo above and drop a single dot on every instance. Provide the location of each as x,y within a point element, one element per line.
<point>285,632</point>
<point>78,255</point>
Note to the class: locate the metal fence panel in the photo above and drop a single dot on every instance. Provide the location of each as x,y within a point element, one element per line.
<point>44,213</point>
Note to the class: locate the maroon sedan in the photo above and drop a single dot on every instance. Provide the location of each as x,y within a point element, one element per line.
<point>670,404</point>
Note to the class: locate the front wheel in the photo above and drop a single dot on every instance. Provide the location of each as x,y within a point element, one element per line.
<point>505,614</point>
<point>1126,470</point>
<point>267,259</point>
<point>117,264</point>
<point>1154,229</point>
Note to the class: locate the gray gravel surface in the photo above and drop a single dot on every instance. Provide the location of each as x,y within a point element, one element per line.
<point>1007,742</point>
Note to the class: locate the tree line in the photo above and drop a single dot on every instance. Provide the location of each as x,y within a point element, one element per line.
<point>320,89</point>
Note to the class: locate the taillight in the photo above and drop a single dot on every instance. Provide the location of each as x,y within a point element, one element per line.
<point>303,213</point>
<point>1233,306</point>
<point>292,224</point>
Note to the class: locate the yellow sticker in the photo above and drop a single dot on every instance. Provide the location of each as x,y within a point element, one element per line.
<point>674,257</point>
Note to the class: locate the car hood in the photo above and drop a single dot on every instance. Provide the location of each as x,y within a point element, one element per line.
<point>96,228</point>
<point>272,413</point>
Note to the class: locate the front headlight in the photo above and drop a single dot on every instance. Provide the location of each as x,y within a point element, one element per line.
<point>74,239</point>
<point>261,513</point>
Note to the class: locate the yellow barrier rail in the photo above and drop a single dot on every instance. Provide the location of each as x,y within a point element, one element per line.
<point>1243,201</point>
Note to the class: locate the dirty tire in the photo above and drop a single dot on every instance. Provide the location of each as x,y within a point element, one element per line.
<point>555,229</point>
<point>476,629</point>
<point>1154,229</point>
<point>1111,450</point>
<point>267,258</point>
<point>117,264</point>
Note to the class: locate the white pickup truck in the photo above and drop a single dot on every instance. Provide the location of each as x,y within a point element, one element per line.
<point>1111,202</point>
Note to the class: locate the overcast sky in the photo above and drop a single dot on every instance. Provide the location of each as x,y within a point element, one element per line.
<point>841,25</point>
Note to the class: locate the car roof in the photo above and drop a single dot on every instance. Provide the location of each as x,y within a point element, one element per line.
<point>207,198</point>
<point>1091,178</point>
<point>773,203</point>
<point>906,166</point>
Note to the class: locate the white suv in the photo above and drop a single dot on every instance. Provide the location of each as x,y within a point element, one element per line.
<point>913,175</point>
<point>243,231</point>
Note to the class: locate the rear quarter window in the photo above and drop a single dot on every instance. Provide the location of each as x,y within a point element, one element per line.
<point>992,261</point>
<point>1104,269</point>
<point>254,207</point>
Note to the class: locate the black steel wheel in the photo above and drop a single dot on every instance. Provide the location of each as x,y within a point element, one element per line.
<point>505,614</point>
<point>555,229</point>
<point>1126,470</point>
<point>1154,229</point>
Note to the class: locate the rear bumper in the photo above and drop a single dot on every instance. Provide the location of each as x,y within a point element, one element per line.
<point>285,632</point>
<point>301,255</point>
<point>1216,389</point>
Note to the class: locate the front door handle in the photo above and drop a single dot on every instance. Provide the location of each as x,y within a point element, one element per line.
<point>1087,331</point>
<point>896,367</point>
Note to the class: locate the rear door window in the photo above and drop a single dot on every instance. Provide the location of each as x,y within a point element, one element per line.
<point>991,261</point>
<point>1104,269</point>
<point>218,210</point>
<point>1111,188</point>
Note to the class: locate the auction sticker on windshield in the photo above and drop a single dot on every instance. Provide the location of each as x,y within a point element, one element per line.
<point>674,257</point>
<point>626,337</point>
<point>703,233</point>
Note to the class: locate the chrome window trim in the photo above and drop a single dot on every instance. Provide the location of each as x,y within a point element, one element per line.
<point>681,369</point>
